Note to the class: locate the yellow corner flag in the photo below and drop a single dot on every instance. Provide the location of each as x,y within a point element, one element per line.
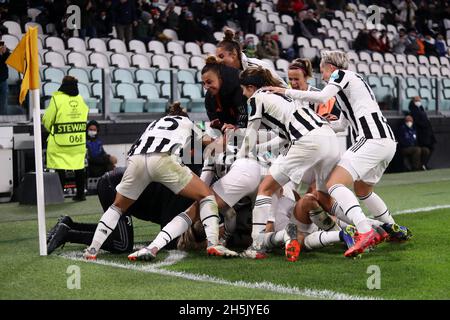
<point>25,59</point>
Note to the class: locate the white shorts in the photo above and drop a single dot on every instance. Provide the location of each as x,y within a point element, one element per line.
<point>154,167</point>
<point>319,150</point>
<point>367,159</point>
<point>242,180</point>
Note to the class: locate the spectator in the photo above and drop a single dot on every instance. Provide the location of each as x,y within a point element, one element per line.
<point>361,42</point>
<point>297,6</point>
<point>99,162</point>
<point>104,23</point>
<point>171,16</point>
<point>189,29</point>
<point>407,13</point>
<point>414,156</point>
<point>385,43</point>
<point>313,24</point>
<point>411,44</point>
<point>441,46</point>
<point>4,54</point>
<point>124,17</point>
<point>430,46</point>
<point>65,119</point>
<point>88,13</point>
<point>220,15</point>
<point>425,134</point>
<point>399,42</point>
<point>206,32</point>
<point>250,47</point>
<point>267,48</point>
<point>245,11</point>
<point>299,29</point>
<point>284,7</point>
<point>374,44</point>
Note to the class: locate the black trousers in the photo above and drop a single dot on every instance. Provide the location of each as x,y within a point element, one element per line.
<point>80,180</point>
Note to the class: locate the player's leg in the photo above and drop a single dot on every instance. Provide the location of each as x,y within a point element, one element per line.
<point>133,182</point>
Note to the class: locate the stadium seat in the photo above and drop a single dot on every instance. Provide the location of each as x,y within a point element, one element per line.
<point>282,64</point>
<point>444,61</point>
<point>140,61</point>
<point>172,34</point>
<point>411,70</point>
<point>353,56</point>
<point>55,44</point>
<point>13,28</point>
<point>117,46</point>
<point>97,45</point>
<point>209,48</point>
<point>90,101</point>
<point>287,20</point>
<point>426,83</point>
<point>97,75</point>
<point>144,76</point>
<point>445,72</point>
<point>317,43</point>
<point>185,76</point>
<point>375,68</point>
<point>346,35</point>
<point>99,60</point>
<point>401,59</point>
<point>10,41</point>
<point>175,48</point>
<point>122,76</point>
<point>32,13</point>
<point>137,46</point>
<point>166,92</point>
<point>81,74</point>
<point>363,68</point>
<point>154,102</point>
<point>339,15</point>
<point>268,7</point>
<point>193,48</point>
<point>377,57</point>
<point>13,77</point>
<point>330,44</point>
<point>253,36</point>
<point>281,29</point>
<point>76,44</point>
<point>400,69</point>
<point>337,24</point>
<point>53,74</point>
<point>262,27</point>
<point>424,70</point>
<point>54,59</point>
<point>303,42</point>
<point>163,76</point>
<point>411,59</point>
<point>119,60</point>
<point>156,47</point>
<point>412,82</point>
<point>197,103</point>
<point>160,61</point>
<point>308,53</point>
<point>115,103</point>
<point>47,90</point>
<point>77,59</point>
<point>446,83</point>
<point>365,56</point>
<point>425,95</point>
<point>180,62</point>
<point>197,62</point>
<point>131,101</point>
<point>34,24</point>
<point>359,26</point>
<point>286,40</point>
<point>423,60</point>
<point>259,17</point>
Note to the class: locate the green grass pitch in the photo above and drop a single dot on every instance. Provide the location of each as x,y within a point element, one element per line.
<point>418,269</point>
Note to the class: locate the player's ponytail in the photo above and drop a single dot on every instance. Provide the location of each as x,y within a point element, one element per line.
<point>230,44</point>
<point>212,63</point>
<point>176,110</point>
<point>258,77</point>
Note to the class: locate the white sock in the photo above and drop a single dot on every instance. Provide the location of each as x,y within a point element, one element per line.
<point>320,239</point>
<point>274,239</point>
<point>175,228</point>
<point>339,213</point>
<point>305,228</point>
<point>342,224</point>
<point>377,207</point>
<point>375,223</point>
<point>322,219</point>
<point>350,205</point>
<point>209,216</point>
<point>260,215</point>
<point>106,226</point>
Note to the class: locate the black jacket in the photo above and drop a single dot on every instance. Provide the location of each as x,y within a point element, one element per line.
<point>3,66</point>
<point>232,102</point>
<point>425,134</point>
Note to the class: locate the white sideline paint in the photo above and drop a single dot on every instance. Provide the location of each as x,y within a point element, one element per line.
<point>176,256</point>
<point>425,209</point>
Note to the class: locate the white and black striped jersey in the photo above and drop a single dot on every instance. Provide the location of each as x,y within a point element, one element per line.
<point>220,162</point>
<point>358,105</point>
<point>168,134</point>
<point>283,115</point>
<point>307,104</point>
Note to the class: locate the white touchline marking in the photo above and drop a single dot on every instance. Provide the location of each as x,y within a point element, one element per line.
<point>176,256</point>
<point>425,209</point>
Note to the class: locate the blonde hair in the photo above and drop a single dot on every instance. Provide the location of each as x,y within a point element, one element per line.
<point>258,77</point>
<point>336,58</point>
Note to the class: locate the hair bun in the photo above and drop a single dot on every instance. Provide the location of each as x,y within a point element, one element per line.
<point>228,35</point>
<point>212,60</point>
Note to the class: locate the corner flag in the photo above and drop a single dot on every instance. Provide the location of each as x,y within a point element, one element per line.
<point>25,59</point>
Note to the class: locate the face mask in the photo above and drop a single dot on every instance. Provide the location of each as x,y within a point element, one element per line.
<point>92,133</point>
<point>204,22</point>
<point>154,4</point>
<point>418,103</point>
<point>409,124</point>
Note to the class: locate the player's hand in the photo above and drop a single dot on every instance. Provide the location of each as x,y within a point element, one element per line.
<point>215,124</point>
<point>330,117</point>
<point>228,126</point>
<point>275,89</point>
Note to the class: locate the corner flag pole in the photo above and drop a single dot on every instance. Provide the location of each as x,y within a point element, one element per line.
<point>35,104</point>
<point>25,59</point>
